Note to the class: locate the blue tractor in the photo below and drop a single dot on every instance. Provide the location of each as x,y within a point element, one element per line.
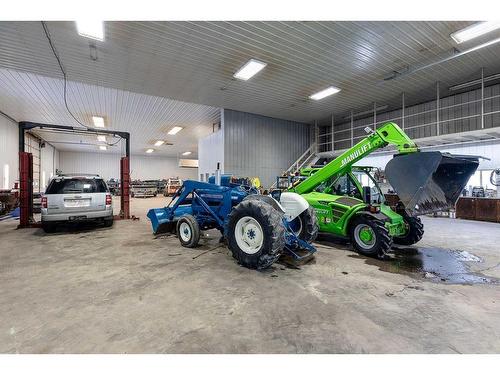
<point>257,228</point>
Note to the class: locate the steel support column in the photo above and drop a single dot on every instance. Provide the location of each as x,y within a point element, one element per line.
<point>125,188</point>
<point>438,130</point>
<point>403,111</point>
<point>482,98</point>
<point>352,128</point>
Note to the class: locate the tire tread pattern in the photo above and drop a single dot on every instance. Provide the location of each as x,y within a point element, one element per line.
<point>384,241</point>
<point>415,233</point>
<point>271,222</point>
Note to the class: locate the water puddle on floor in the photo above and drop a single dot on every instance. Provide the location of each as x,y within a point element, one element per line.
<point>434,264</point>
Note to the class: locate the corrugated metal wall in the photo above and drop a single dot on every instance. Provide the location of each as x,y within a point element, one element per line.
<point>9,143</point>
<point>108,166</point>
<point>458,113</point>
<point>261,146</point>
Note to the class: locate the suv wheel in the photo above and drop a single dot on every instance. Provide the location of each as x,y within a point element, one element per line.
<point>49,227</point>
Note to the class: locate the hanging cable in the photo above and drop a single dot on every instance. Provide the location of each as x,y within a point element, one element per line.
<point>7,116</point>
<point>65,94</point>
<point>54,51</point>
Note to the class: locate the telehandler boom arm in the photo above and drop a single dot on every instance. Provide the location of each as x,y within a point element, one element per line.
<point>389,133</point>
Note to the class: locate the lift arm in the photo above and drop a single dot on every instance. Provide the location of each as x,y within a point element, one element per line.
<point>389,133</point>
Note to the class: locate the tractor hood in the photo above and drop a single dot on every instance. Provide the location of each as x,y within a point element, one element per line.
<point>428,182</point>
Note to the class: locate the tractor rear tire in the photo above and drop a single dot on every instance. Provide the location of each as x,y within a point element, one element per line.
<point>415,231</point>
<point>188,231</point>
<point>307,224</point>
<point>375,242</point>
<point>266,199</point>
<point>255,234</point>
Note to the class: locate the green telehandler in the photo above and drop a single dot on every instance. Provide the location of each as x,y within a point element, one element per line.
<point>349,203</point>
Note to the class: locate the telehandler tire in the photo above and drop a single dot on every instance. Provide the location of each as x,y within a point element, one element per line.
<point>255,234</point>
<point>415,231</point>
<point>188,231</point>
<point>306,225</point>
<point>370,237</point>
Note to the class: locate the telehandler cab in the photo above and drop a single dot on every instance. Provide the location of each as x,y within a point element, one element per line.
<point>349,203</point>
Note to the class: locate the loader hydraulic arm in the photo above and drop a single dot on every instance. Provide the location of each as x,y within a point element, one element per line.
<point>388,133</point>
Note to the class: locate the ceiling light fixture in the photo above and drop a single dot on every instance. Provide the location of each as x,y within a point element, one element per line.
<point>186,153</point>
<point>175,130</point>
<point>324,93</point>
<point>475,30</point>
<point>98,121</point>
<point>91,29</point>
<point>251,68</point>
<point>103,148</point>
<point>159,143</point>
<point>149,150</point>
<point>101,138</point>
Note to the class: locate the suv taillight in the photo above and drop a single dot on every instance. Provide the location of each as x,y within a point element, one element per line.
<point>108,199</point>
<point>44,202</point>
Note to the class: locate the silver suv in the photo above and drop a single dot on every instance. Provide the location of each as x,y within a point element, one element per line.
<point>74,198</point>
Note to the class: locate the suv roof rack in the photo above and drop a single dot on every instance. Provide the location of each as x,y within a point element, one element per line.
<point>78,175</point>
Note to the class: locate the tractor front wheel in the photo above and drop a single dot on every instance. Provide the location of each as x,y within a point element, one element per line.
<point>255,234</point>
<point>188,231</point>
<point>370,237</point>
<point>414,231</point>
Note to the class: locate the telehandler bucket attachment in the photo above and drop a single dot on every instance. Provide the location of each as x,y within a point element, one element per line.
<point>429,182</point>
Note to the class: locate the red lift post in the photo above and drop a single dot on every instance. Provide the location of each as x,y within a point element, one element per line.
<point>26,171</point>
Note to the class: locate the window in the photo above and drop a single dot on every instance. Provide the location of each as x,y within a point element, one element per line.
<point>6,176</point>
<point>366,179</point>
<point>76,185</point>
<point>342,185</point>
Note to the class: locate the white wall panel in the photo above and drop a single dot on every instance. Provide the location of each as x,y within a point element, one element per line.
<point>108,166</point>
<point>49,164</point>
<point>9,143</point>
<point>211,152</point>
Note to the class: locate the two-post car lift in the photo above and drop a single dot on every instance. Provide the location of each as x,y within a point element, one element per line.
<point>26,170</point>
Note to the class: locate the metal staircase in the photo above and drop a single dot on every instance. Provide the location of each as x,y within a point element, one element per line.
<point>309,157</point>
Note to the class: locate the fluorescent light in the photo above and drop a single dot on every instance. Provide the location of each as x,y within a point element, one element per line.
<point>175,130</point>
<point>186,153</point>
<point>103,148</point>
<point>475,30</point>
<point>98,121</point>
<point>159,143</point>
<point>324,93</point>
<point>91,29</point>
<point>101,138</point>
<point>251,68</point>
<point>149,150</point>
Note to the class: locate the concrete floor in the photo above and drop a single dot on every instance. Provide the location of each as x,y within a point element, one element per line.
<point>120,290</point>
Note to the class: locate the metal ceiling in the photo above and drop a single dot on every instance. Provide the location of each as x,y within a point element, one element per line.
<point>194,61</point>
<point>32,97</point>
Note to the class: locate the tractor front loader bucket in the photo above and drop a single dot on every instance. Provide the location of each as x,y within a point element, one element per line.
<point>160,220</point>
<point>428,182</point>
